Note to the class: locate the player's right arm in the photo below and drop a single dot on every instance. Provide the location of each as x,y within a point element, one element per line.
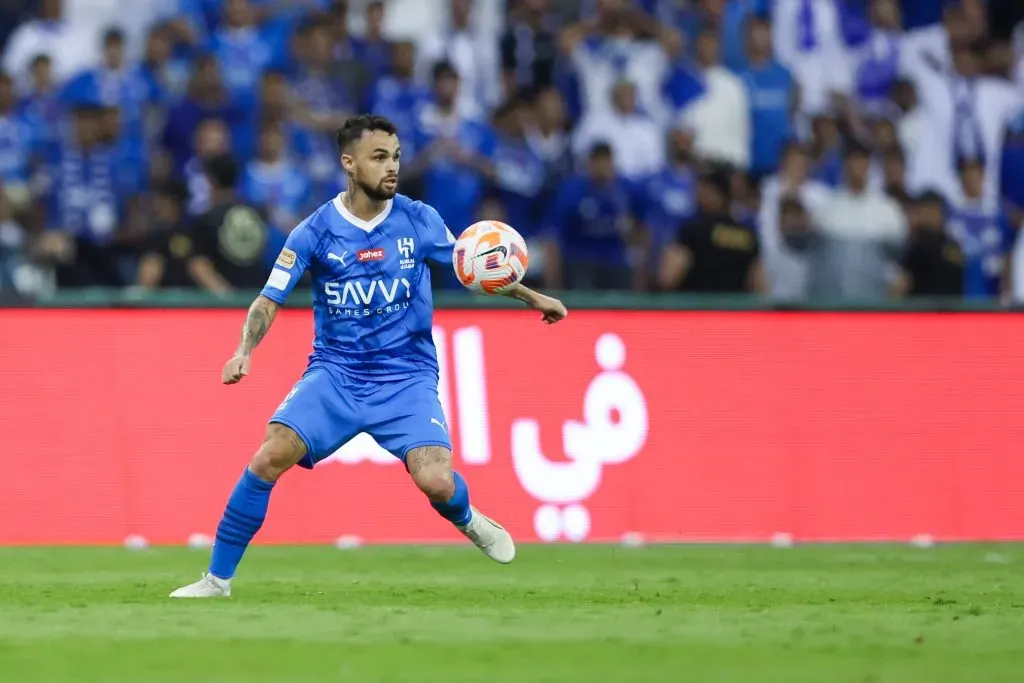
<point>289,268</point>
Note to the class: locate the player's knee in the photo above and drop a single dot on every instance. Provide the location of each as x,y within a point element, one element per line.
<point>438,486</point>
<point>431,469</point>
<point>282,449</point>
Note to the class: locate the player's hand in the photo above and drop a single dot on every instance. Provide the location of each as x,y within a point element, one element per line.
<point>235,369</point>
<point>552,308</point>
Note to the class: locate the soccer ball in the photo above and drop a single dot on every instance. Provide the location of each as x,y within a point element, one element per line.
<point>490,257</point>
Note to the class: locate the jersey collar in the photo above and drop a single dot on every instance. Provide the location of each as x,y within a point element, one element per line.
<point>366,226</point>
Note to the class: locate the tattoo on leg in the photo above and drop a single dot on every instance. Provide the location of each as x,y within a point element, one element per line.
<point>425,457</point>
<point>276,430</point>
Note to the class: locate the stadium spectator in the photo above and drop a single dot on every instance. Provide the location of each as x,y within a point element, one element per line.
<point>116,84</point>
<point>529,47</point>
<point>170,243</point>
<point>230,240</point>
<point>593,222</point>
<point>932,263</point>
<point>638,143</point>
<point>773,98</point>
<point>826,148</point>
<point>713,253</point>
<point>546,134</point>
<point>720,117</point>
<point>16,150</point>
<point>275,183</point>
<point>969,111</point>
<point>242,50</point>
<point>399,96</point>
<point>859,233</point>
<point>930,47</point>
<point>475,60</point>
<point>864,75</point>
<point>355,76</point>
<point>619,43</point>
<point>455,160</point>
<point>808,41</point>
<point>212,139</point>
<point>669,195</point>
<point>69,46</point>
<point>787,268</point>
<point>321,104</point>
<point>894,174</point>
<point>519,171</point>
<point>165,73</point>
<point>373,50</point>
<point>41,107</point>
<point>84,202</point>
<point>206,98</point>
<point>984,234</point>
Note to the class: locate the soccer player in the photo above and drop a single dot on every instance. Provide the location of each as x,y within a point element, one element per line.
<point>373,368</point>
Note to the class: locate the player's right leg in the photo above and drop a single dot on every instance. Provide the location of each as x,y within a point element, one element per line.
<point>245,511</point>
<point>308,425</point>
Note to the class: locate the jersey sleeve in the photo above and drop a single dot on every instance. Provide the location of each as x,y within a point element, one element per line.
<point>440,242</point>
<point>295,257</point>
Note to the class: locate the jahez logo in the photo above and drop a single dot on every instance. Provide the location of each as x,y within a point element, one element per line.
<point>369,255</point>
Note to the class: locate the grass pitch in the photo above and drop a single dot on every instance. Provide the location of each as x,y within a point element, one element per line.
<point>826,614</point>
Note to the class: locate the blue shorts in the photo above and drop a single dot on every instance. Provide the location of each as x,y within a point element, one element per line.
<point>326,408</point>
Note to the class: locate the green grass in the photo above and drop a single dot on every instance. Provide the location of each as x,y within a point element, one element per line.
<point>746,614</point>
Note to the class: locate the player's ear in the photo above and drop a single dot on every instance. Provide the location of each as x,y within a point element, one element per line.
<point>348,162</point>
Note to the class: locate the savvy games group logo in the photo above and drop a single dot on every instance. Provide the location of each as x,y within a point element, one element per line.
<point>613,429</point>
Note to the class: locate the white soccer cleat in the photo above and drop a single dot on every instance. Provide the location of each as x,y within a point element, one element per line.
<point>490,537</point>
<point>207,587</point>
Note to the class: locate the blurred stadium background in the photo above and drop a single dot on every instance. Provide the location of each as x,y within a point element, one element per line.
<point>787,233</point>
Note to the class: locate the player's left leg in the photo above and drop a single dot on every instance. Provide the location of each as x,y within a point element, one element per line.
<point>431,468</point>
<point>406,419</point>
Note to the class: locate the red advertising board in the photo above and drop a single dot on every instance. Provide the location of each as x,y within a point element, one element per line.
<point>680,426</point>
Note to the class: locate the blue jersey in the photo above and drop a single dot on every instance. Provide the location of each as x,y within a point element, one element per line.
<point>770,88</point>
<point>590,221</point>
<point>372,305</point>
<point>16,147</point>
<point>985,236</point>
<point>670,198</point>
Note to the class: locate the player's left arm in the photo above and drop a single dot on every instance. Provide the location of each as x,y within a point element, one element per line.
<point>552,309</point>
<point>440,245</point>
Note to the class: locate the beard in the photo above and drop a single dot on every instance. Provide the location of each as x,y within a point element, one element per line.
<point>378,192</point>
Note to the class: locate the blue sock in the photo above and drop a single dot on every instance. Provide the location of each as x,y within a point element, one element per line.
<point>243,517</point>
<point>456,510</point>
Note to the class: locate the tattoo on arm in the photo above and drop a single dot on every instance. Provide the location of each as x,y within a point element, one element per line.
<point>257,324</point>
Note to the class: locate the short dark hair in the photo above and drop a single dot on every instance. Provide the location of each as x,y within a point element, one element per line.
<point>354,128</point>
<point>855,148</point>
<point>223,171</point>
<point>41,58</point>
<point>930,197</point>
<point>717,178</point>
<point>601,149</point>
<point>966,161</point>
<point>113,35</point>
<point>442,69</point>
<point>791,204</point>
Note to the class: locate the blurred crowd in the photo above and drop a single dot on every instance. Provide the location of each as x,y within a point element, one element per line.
<point>839,149</point>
